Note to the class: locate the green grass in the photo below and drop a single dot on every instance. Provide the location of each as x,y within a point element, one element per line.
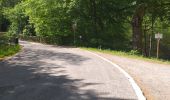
<point>131,54</point>
<point>7,50</point>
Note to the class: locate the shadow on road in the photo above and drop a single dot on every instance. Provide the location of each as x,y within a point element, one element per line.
<point>27,77</point>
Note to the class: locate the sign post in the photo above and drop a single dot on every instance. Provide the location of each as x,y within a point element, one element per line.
<point>158,36</point>
<point>74,26</point>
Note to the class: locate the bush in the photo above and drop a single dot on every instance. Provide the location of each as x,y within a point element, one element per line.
<point>8,50</point>
<point>134,52</point>
<point>4,38</point>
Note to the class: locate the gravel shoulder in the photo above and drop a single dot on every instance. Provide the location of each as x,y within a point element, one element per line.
<point>46,72</point>
<point>153,78</point>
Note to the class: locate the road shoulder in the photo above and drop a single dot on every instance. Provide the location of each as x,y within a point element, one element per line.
<point>149,76</point>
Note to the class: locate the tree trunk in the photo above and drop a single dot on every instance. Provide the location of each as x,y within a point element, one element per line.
<point>94,18</point>
<point>0,28</point>
<point>137,27</point>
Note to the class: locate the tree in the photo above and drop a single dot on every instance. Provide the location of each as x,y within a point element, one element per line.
<point>154,7</point>
<point>110,24</point>
<point>5,4</point>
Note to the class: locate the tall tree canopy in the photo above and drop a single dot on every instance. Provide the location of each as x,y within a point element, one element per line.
<point>114,24</point>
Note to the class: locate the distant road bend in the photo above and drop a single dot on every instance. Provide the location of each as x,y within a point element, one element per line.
<point>45,72</point>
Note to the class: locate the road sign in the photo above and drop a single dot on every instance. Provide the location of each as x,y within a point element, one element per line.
<point>158,36</point>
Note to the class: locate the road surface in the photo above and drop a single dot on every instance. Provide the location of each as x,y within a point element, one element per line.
<point>46,72</point>
<point>153,78</point>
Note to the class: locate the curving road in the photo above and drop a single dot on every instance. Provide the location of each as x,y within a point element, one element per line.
<point>45,72</point>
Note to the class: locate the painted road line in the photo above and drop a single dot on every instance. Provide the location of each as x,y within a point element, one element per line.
<point>136,88</point>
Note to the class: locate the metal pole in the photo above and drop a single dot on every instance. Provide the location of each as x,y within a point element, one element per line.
<point>74,37</point>
<point>74,29</point>
<point>158,44</point>
<point>18,32</point>
<point>150,45</point>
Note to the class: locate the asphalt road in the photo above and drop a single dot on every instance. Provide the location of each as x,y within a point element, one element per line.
<point>44,72</point>
<point>153,78</point>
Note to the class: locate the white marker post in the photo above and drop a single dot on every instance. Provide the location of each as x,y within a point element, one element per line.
<point>158,36</point>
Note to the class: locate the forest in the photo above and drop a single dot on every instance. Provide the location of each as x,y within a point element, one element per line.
<point>125,25</point>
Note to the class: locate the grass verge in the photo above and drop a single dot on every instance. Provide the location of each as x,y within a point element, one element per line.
<point>8,50</point>
<point>129,55</point>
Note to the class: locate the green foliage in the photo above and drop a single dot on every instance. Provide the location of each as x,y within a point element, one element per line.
<point>29,30</point>
<point>3,39</point>
<point>134,52</point>
<point>49,17</point>
<point>8,50</point>
<point>129,55</point>
<point>105,23</point>
<point>8,3</point>
<point>5,5</point>
<point>17,18</point>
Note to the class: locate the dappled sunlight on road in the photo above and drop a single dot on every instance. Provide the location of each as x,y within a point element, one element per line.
<point>44,74</point>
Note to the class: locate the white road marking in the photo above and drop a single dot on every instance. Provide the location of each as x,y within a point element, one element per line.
<point>136,88</point>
